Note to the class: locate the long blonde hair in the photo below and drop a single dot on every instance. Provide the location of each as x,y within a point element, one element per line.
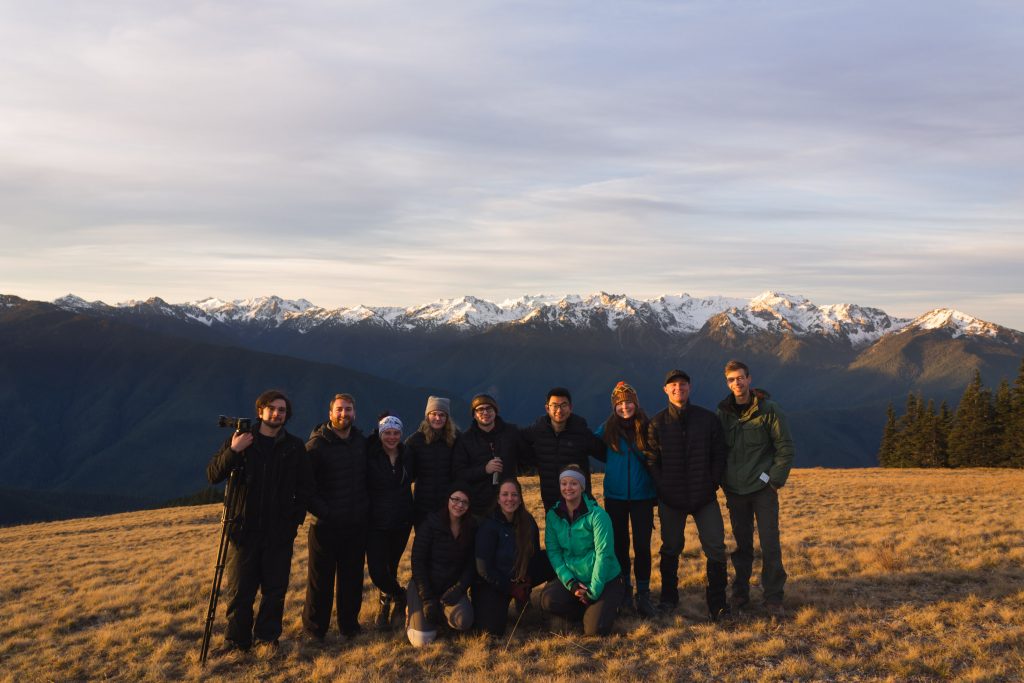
<point>448,432</point>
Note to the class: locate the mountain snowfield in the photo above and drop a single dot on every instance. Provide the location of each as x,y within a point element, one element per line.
<point>770,311</point>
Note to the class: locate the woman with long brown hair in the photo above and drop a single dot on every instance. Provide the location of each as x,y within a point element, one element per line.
<point>629,493</point>
<point>509,559</point>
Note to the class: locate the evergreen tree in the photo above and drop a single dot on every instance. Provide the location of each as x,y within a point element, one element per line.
<point>1013,437</point>
<point>971,440</point>
<point>1002,415</point>
<point>933,453</point>
<point>887,451</point>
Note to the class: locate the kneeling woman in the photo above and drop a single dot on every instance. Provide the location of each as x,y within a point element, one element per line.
<point>442,571</point>
<point>509,559</point>
<point>580,546</point>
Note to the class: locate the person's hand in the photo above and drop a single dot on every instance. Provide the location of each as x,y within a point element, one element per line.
<point>240,441</point>
<point>494,465</point>
<point>432,612</point>
<point>521,591</point>
<point>581,594</point>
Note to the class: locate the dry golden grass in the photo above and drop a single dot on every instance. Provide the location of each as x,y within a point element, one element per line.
<point>894,576</point>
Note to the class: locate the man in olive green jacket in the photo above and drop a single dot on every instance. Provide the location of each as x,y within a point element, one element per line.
<point>757,466</point>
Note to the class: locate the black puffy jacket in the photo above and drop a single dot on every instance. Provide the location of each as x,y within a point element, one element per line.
<point>274,487</point>
<point>687,450</point>
<point>496,550</point>
<point>340,496</point>
<point>472,453</point>
<point>432,466</point>
<point>390,487</point>
<point>439,560</point>
<point>550,452</point>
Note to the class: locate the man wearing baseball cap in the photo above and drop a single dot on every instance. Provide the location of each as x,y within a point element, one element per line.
<point>686,455</point>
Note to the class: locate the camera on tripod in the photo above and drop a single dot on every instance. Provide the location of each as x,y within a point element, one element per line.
<point>239,424</point>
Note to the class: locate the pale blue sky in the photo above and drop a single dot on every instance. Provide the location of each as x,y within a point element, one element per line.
<point>399,152</point>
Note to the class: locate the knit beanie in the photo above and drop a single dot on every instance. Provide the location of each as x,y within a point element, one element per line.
<point>483,400</point>
<point>389,422</point>
<point>438,404</point>
<point>624,392</point>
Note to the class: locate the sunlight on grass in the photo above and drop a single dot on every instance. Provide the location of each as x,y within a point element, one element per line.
<point>894,575</point>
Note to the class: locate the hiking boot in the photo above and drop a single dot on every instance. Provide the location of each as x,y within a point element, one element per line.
<point>644,607</point>
<point>230,647</point>
<point>775,610</point>
<point>383,620</point>
<point>669,581</point>
<point>398,617</point>
<point>723,615</point>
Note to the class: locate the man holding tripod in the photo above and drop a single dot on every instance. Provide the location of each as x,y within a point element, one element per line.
<point>273,483</point>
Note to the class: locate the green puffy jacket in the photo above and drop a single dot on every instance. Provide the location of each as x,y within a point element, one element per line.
<point>759,443</point>
<point>583,550</point>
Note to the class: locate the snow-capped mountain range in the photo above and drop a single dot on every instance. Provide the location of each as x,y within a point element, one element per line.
<point>771,312</point>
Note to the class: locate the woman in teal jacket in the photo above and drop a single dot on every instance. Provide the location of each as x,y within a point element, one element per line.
<point>629,493</point>
<point>580,545</point>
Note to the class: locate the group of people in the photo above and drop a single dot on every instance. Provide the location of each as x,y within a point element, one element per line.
<point>477,548</point>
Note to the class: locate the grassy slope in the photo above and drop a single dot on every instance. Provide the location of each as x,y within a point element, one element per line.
<point>894,575</point>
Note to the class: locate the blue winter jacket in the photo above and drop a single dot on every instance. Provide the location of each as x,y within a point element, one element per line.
<point>625,474</point>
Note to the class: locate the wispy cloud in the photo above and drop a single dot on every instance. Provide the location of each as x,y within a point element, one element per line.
<point>394,152</point>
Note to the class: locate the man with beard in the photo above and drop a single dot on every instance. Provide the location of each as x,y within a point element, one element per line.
<point>485,453</point>
<point>273,483</point>
<point>557,439</point>
<point>337,539</point>
<point>686,455</point>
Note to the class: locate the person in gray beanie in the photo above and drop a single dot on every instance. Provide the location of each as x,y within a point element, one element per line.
<point>430,451</point>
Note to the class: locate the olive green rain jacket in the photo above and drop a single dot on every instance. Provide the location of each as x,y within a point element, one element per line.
<point>759,444</point>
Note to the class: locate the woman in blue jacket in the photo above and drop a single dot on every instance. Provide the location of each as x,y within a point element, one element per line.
<point>509,560</point>
<point>629,493</point>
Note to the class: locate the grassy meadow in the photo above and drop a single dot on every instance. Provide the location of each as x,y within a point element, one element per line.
<point>894,575</point>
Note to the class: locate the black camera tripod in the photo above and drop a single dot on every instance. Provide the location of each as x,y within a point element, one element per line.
<point>228,521</point>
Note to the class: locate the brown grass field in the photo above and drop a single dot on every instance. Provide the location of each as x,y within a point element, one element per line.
<point>895,575</point>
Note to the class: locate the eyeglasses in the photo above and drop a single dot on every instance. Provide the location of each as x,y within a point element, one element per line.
<point>556,407</point>
<point>461,502</point>
<point>484,409</point>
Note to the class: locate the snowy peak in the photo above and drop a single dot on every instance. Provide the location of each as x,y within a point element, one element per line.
<point>783,313</point>
<point>960,324</point>
<point>768,312</point>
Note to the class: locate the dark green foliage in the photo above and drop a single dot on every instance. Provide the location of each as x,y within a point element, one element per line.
<point>210,494</point>
<point>983,432</point>
<point>887,454</point>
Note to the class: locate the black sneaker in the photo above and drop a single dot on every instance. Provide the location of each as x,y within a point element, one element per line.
<point>351,633</point>
<point>775,610</point>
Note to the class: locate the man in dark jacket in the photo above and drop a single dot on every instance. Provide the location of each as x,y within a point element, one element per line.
<point>273,480</point>
<point>758,464</point>
<point>559,438</point>
<point>486,453</point>
<point>686,454</point>
<point>337,540</point>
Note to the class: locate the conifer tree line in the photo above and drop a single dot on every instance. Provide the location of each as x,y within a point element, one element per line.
<point>985,430</point>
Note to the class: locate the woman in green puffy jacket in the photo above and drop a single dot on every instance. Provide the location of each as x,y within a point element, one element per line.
<point>581,547</point>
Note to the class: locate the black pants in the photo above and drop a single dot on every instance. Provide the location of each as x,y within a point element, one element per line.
<point>763,506</point>
<point>334,554</point>
<point>641,514</point>
<point>597,618</point>
<point>256,565</point>
<point>384,549</point>
<point>490,605</point>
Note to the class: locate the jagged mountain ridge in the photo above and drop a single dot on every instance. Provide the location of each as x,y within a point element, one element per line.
<point>769,312</point>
